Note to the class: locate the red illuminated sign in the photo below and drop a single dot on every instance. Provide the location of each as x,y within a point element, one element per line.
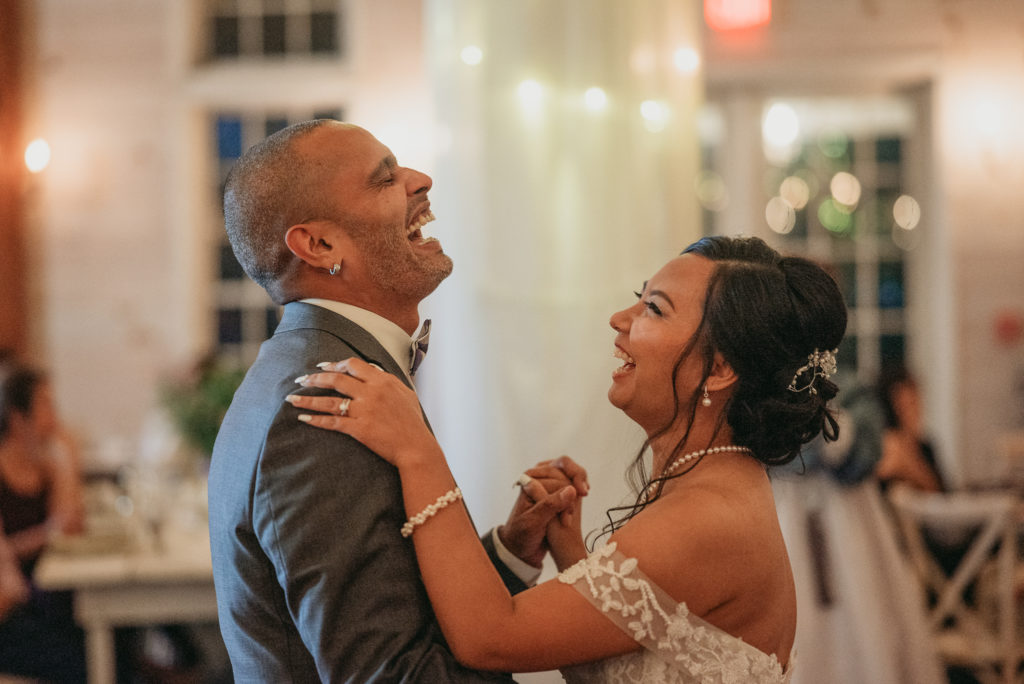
<point>729,15</point>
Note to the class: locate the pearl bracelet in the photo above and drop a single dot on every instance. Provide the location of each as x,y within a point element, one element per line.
<point>430,511</point>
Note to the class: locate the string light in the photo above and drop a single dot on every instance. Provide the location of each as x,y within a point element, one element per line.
<point>37,155</point>
<point>471,55</point>
<point>686,60</point>
<point>595,99</point>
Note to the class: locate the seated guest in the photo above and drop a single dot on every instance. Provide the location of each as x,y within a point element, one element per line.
<point>40,495</point>
<point>907,455</point>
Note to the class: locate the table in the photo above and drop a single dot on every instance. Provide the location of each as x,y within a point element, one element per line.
<point>171,583</point>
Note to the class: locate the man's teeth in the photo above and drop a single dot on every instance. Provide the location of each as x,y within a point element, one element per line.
<point>423,219</point>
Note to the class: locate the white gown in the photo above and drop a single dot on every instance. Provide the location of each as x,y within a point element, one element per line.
<point>678,647</point>
<point>870,626</point>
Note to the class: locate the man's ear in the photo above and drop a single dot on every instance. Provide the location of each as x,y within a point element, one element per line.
<point>722,375</point>
<point>315,244</point>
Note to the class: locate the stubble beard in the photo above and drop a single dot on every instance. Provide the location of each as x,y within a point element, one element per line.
<point>396,270</point>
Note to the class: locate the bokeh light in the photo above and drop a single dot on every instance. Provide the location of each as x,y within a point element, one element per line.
<point>471,55</point>
<point>780,127</point>
<point>531,94</point>
<point>595,99</point>
<point>907,212</point>
<point>686,60</point>
<point>780,215</point>
<point>711,191</point>
<point>835,218</point>
<point>37,155</point>
<point>655,115</point>
<point>845,189</point>
<point>795,191</point>
<point>780,132</point>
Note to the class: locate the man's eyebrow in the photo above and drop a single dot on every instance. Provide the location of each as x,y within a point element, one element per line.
<point>661,293</point>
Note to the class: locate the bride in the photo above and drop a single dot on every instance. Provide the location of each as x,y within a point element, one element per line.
<point>726,358</point>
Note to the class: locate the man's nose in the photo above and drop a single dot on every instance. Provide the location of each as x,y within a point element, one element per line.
<point>418,182</point>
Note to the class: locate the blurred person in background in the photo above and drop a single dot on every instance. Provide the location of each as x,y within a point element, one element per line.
<point>40,497</point>
<point>908,457</point>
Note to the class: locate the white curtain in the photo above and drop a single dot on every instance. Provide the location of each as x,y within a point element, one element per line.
<point>554,214</point>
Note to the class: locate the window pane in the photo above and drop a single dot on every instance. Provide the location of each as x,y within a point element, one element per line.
<point>888,150</point>
<point>273,34</point>
<point>230,269</point>
<point>328,114</point>
<point>891,349</point>
<point>229,326</point>
<point>323,32</point>
<point>229,137</point>
<point>275,124</point>
<point>848,283</point>
<point>890,285</point>
<point>225,36</point>
<point>272,321</point>
<point>847,356</point>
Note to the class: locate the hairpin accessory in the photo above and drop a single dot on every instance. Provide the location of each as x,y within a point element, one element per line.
<point>819,363</point>
<point>706,400</point>
<point>335,268</point>
<point>430,511</point>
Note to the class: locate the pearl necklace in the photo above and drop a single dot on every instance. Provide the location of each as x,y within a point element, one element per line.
<point>686,458</point>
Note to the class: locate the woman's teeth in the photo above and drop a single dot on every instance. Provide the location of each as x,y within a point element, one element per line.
<point>628,362</point>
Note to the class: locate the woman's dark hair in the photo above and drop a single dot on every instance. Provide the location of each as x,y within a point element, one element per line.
<point>766,314</point>
<point>889,379</point>
<point>18,385</point>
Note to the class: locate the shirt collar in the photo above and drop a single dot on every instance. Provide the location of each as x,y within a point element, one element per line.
<point>395,341</point>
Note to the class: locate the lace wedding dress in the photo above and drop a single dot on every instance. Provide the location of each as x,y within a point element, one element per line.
<point>678,647</point>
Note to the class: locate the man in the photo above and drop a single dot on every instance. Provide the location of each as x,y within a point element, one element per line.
<point>314,581</point>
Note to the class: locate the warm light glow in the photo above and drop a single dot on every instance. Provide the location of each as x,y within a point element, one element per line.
<point>845,189</point>
<point>795,191</point>
<point>531,94</point>
<point>595,99</point>
<point>729,15</point>
<point>780,215</point>
<point>711,191</point>
<point>907,212</point>
<point>37,155</point>
<point>686,60</point>
<point>655,115</point>
<point>781,127</point>
<point>471,55</point>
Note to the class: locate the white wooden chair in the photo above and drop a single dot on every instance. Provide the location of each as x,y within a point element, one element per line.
<point>968,635</point>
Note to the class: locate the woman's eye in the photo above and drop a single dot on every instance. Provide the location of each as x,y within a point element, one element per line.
<point>653,308</point>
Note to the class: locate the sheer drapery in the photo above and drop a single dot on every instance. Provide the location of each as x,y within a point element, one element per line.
<point>556,205</point>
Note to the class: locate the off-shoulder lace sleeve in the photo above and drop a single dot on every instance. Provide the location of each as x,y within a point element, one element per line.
<point>617,587</point>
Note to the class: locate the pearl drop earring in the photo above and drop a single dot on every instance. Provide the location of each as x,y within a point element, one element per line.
<point>706,400</point>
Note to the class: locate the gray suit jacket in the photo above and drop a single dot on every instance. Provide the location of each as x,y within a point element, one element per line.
<point>314,581</point>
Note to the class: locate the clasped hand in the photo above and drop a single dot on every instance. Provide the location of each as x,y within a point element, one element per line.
<point>381,412</point>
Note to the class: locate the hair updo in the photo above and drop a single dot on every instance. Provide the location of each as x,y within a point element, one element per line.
<point>766,315</point>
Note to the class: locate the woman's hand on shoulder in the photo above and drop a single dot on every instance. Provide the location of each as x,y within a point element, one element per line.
<point>372,406</point>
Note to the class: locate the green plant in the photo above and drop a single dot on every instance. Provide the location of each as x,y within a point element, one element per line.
<point>197,403</point>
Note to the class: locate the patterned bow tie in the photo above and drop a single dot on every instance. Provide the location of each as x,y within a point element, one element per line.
<point>419,347</point>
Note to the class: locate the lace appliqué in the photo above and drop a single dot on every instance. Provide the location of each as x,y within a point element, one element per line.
<point>680,647</point>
